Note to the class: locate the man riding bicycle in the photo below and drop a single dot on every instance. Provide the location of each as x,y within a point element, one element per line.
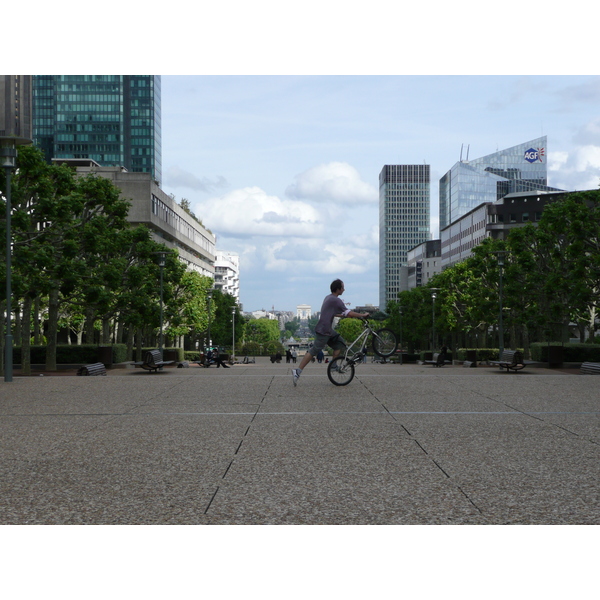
<point>325,335</point>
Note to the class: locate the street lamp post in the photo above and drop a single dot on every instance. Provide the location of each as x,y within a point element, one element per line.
<point>209,294</point>
<point>161,264</point>
<point>500,256</point>
<point>233,334</point>
<point>400,313</point>
<point>8,160</point>
<point>433,297</point>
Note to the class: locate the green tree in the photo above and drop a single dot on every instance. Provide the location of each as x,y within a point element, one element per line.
<point>42,232</point>
<point>221,327</point>
<point>262,331</point>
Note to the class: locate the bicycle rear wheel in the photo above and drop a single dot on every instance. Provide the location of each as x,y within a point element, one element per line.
<point>340,371</point>
<point>384,342</point>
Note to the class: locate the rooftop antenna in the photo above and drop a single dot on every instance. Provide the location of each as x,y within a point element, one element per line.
<point>468,152</point>
<point>461,147</point>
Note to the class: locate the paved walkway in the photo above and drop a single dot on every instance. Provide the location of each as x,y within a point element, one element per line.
<point>400,445</point>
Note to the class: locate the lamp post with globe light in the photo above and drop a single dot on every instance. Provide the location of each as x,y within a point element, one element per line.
<point>8,161</point>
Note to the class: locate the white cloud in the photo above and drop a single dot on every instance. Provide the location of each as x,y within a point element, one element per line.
<point>557,160</point>
<point>335,182</point>
<point>578,169</point>
<point>252,212</point>
<point>588,134</point>
<point>177,178</point>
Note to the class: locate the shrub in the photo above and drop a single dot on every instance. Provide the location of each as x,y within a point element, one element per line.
<point>483,354</point>
<point>571,352</point>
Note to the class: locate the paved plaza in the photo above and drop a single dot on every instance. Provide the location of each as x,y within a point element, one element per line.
<point>402,444</point>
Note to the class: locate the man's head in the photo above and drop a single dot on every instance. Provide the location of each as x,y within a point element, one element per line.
<point>337,286</point>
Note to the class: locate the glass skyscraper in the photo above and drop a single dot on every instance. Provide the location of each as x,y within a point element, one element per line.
<point>112,119</point>
<point>468,184</point>
<point>404,207</point>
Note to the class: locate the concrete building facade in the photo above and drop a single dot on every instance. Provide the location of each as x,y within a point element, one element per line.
<point>227,273</point>
<point>168,222</point>
<point>492,219</point>
<point>16,112</point>
<point>424,261</point>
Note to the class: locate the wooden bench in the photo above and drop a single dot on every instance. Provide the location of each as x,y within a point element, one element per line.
<point>153,361</point>
<point>438,360</point>
<point>93,369</point>
<point>510,360</point>
<point>590,368</point>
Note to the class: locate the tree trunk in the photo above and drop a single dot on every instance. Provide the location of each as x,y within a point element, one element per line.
<point>120,331</point>
<point>526,343</point>
<point>26,337</point>
<point>2,325</point>
<point>105,331</point>
<point>138,349</point>
<point>130,337</point>
<point>17,327</point>
<point>89,326</point>
<point>37,337</point>
<point>53,305</point>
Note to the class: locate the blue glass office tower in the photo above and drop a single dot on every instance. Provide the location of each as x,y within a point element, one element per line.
<point>469,183</point>
<point>404,207</point>
<point>112,119</point>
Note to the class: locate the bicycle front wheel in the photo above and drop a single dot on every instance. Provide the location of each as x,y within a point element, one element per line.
<point>384,342</point>
<point>340,371</point>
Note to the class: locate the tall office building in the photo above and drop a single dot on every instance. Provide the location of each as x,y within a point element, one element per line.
<point>404,207</point>
<point>15,106</point>
<point>469,183</point>
<point>114,120</point>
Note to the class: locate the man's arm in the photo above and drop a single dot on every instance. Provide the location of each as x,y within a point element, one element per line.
<point>353,315</point>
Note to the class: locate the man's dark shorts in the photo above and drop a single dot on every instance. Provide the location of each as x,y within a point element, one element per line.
<point>335,342</point>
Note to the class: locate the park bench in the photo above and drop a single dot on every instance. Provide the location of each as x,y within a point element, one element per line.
<point>590,368</point>
<point>510,360</point>
<point>438,360</point>
<point>93,369</point>
<point>153,361</point>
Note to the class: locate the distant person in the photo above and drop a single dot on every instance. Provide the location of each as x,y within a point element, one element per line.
<point>294,355</point>
<point>320,356</point>
<point>443,355</point>
<point>333,306</point>
<point>218,360</point>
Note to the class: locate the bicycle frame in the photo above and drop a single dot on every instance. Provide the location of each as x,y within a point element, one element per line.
<point>363,338</point>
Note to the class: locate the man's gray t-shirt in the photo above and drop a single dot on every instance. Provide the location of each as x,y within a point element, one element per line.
<point>332,306</point>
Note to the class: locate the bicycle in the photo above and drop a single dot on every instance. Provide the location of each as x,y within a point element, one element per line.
<point>341,369</point>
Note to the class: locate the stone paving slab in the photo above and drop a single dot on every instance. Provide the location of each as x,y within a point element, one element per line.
<point>402,444</point>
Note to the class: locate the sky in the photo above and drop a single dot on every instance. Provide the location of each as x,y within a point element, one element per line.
<point>277,119</point>
<point>284,169</point>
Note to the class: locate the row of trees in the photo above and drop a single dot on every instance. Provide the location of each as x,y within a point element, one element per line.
<point>79,266</point>
<point>550,282</point>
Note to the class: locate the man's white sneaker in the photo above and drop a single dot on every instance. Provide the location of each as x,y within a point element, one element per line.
<point>295,376</point>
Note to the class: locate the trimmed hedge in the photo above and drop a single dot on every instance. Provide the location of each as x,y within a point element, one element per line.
<point>407,357</point>
<point>427,353</point>
<point>65,354</point>
<point>539,352</point>
<point>84,354</point>
<point>483,354</point>
<point>571,352</point>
